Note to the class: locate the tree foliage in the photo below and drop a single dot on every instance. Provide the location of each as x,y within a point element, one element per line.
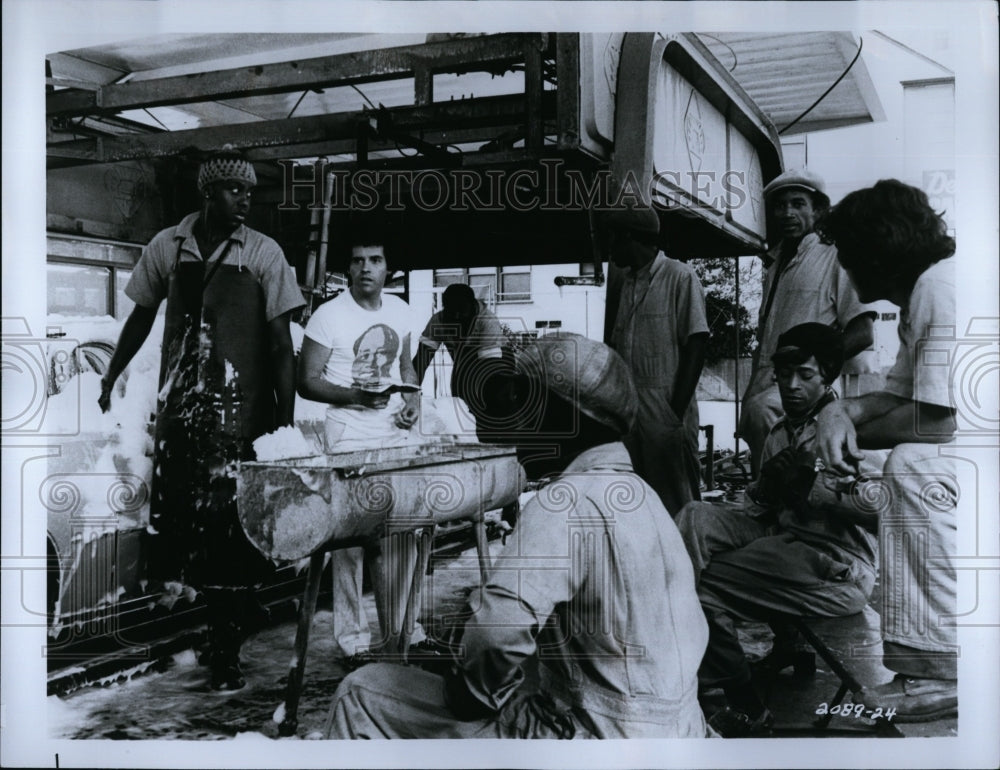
<point>731,326</point>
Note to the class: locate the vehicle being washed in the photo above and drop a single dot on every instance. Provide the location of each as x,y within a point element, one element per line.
<point>96,487</point>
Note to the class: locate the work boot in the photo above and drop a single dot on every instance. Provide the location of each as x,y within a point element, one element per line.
<point>733,723</point>
<point>909,699</point>
<point>224,658</point>
<point>431,655</point>
<point>357,660</point>
<point>224,638</point>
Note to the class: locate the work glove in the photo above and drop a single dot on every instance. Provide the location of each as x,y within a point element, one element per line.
<point>801,476</point>
<point>774,475</point>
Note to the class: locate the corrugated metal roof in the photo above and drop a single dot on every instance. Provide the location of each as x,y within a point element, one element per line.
<point>786,73</point>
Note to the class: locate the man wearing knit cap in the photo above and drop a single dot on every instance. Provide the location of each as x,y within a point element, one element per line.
<point>661,331</point>
<point>802,282</point>
<point>794,547</point>
<point>593,592</point>
<point>226,378</point>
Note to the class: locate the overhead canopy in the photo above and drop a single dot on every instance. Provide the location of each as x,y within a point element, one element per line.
<point>412,102</point>
<point>786,73</point>
<point>174,83</point>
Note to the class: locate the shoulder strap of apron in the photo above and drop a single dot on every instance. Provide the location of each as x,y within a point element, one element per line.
<point>217,264</point>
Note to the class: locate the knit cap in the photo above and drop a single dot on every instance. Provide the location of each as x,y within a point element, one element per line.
<point>227,164</point>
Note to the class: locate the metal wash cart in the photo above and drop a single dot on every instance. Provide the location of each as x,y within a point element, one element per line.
<point>305,507</point>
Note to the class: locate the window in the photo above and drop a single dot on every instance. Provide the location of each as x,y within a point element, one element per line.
<point>79,290</point>
<point>88,276</point>
<point>485,286</point>
<point>515,284</point>
<point>491,284</point>
<point>123,305</point>
<point>396,284</point>
<point>444,278</point>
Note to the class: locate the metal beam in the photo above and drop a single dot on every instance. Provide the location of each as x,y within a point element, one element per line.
<point>440,137</point>
<point>533,89</point>
<point>487,53</point>
<point>312,130</point>
<point>568,88</point>
<point>423,85</point>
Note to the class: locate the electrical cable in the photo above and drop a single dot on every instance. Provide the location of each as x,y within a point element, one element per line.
<point>370,104</point>
<point>843,74</point>
<point>399,149</point>
<point>722,42</point>
<point>297,104</point>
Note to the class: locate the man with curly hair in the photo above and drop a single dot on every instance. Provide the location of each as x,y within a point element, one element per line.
<point>356,359</point>
<point>894,246</point>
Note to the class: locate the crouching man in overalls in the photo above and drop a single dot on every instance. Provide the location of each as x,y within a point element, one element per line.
<point>596,588</point>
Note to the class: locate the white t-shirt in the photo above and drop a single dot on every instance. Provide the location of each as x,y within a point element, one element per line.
<point>922,371</point>
<point>365,349</point>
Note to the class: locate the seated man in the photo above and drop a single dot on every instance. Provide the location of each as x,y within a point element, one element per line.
<point>793,548</point>
<point>596,592</point>
<point>895,246</point>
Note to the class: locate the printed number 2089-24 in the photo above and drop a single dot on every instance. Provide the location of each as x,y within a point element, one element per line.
<point>856,710</point>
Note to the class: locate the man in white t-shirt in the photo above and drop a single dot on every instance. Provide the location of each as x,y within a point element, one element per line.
<point>894,246</point>
<point>356,358</point>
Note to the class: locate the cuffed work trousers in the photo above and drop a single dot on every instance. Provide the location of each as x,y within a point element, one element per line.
<point>745,572</point>
<point>917,549</point>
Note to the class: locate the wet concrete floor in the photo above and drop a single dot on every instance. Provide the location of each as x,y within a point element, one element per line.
<point>175,703</point>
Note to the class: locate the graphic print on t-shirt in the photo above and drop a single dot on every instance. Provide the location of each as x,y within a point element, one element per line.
<point>374,352</point>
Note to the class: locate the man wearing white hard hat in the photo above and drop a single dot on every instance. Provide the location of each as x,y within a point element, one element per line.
<point>803,283</point>
<point>226,378</point>
<point>594,591</point>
